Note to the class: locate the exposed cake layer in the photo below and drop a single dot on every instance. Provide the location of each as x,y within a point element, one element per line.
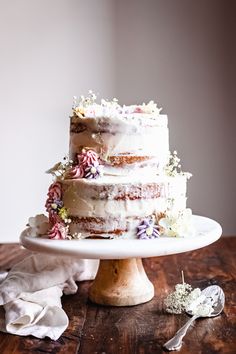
<point>111,227</point>
<point>119,179</point>
<point>115,205</point>
<point>123,142</point>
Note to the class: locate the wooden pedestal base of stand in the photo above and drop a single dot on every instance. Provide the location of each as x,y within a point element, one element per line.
<point>121,282</point>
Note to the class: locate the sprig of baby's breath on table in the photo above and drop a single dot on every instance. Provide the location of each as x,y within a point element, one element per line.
<point>177,301</point>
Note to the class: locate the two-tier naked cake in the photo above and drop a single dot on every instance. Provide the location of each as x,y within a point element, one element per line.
<point>119,180</point>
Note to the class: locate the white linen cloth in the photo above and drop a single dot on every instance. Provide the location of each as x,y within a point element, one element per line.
<point>31,293</point>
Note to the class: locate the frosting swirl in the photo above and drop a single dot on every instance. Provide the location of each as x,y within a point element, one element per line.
<point>54,191</point>
<point>75,172</point>
<point>54,202</point>
<point>58,231</point>
<point>87,158</point>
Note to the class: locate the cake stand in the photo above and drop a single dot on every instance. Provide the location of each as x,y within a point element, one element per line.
<point>121,279</point>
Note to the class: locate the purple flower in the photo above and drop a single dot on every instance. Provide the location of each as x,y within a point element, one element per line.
<point>93,171</point>
<point>54,205</point>
<point>147,230</point>
<point>59,203</point>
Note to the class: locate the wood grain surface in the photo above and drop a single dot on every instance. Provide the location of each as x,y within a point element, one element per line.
<point>144,328</point>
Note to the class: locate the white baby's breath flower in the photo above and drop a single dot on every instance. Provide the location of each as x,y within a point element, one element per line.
<point>177,224</point>
<point>151,107</point>
<point>174,168</point>
<point>38,225</point>
<point>184,298</point>
<point>176,301</point>
<point>195,298</point>
<point>196,304</point>
<point>77,236</point>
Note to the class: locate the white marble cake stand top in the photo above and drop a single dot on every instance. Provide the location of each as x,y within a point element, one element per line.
<point>207,232</point>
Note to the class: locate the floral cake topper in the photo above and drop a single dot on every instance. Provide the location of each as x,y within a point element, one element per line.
<point>86,106</point>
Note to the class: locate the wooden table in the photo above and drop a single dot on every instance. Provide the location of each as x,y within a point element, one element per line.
<point>143,328</point>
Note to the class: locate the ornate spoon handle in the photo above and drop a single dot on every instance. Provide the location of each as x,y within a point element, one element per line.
<point>175,343</point>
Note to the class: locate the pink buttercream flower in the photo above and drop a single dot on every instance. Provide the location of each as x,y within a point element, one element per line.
<point>58,231</point>
<point>138,110</point>
<point>75,172</point>
<point>54,191</point>
<point>53,217</point>
<point>87,158</point>
<point>54,202</point>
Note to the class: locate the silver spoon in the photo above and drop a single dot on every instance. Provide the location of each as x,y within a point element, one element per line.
<point>213,299</point>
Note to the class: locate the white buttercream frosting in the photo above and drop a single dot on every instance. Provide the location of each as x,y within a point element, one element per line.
<point>131,145</point>
<point>130,135</point>
<point>103,198</point>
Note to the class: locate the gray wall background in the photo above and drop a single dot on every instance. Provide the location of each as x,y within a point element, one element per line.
<point>179,53</point>
<point>183,53</point>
